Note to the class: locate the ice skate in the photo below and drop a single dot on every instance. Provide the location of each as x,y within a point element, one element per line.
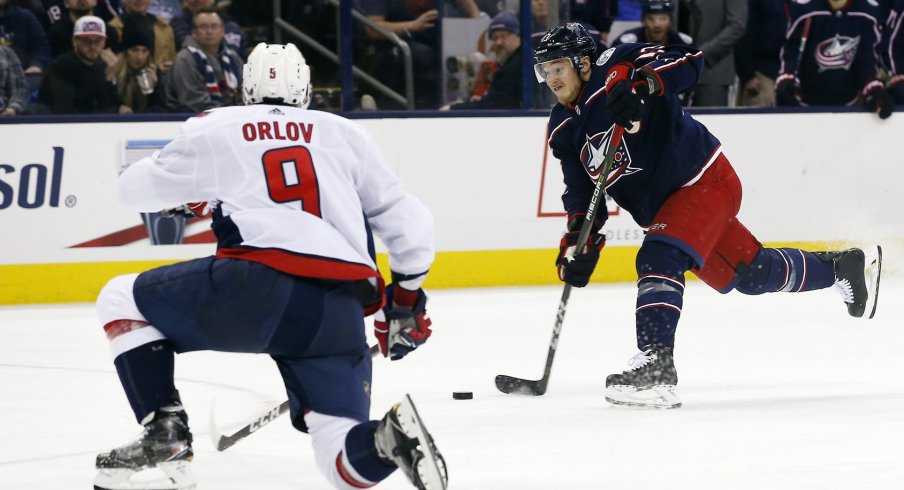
<point>857,274</point>
<point>650,382</point>
<point>159,459</point>
<point>402,440</point>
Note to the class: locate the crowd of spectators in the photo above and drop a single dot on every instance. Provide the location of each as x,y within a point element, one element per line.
<point>138,56</point>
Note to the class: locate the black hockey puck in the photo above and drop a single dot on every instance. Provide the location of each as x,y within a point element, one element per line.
<point>462,395</point>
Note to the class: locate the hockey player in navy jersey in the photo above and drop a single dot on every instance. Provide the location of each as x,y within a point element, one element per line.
<point>829,56</point>
<point>670,173</point>
<point>295,195</point>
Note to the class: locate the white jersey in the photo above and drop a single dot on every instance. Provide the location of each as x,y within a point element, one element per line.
<point>292,189</point>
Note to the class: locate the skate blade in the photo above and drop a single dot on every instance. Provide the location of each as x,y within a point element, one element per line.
<point>174,475</point>
<point>431,467</point>
<point>873,272</point>
<point>658,396</point>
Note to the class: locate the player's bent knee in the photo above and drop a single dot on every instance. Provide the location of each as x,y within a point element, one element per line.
<point>116,301</point>
<point>328,435</point>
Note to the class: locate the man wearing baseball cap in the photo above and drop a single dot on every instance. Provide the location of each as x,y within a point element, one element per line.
<point>76,82</point>
<point>505,87</point>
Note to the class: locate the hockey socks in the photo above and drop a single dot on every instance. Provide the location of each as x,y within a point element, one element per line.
<point>787,270</point>
<point>660,293</point>
<point>146,374</point>
<point>360,456</point>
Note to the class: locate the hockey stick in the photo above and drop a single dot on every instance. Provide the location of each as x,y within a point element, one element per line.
<point>509,384</point>
<point>223,443</point>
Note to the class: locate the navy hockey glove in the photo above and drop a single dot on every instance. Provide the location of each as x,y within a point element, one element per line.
<point>626,88</point>
<point>402,325</point>
<point>787,93</point>
<point>575,268</point>
<point>878,100</point>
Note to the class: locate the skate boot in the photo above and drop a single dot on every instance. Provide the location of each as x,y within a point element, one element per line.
<point>650,382</point>
<point>857,274</point>
<point>158,459</point>
<point>402,440</point>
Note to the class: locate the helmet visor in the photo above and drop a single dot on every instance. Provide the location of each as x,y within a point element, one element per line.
<point>552,69</point>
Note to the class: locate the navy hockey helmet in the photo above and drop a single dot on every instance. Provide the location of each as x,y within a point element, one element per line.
<point>655,7</point>
<point>571,41</point>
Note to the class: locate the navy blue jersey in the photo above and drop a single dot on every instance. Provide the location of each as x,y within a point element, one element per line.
<point>637,35</point>
<point>669,150</point>
<point>839,60</point>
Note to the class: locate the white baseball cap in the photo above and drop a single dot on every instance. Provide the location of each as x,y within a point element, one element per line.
<point>89,26</point>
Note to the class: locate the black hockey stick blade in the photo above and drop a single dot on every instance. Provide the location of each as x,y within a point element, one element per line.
<point>224,442</point>
<point>518,386</point>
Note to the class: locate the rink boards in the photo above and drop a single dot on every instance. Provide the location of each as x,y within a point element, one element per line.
<point>812,179</point>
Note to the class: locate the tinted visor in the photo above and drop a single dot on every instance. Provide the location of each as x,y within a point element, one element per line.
<point>552,69</point>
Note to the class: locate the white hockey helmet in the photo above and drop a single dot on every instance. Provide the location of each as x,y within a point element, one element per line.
<point>276,73</point>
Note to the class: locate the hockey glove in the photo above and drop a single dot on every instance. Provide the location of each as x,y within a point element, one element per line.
<point>575,267</point>
<point>402,325</point>
<point>878,100</point>
<point>190,210</point>
<point>787,93</point>
<point>626,89</point>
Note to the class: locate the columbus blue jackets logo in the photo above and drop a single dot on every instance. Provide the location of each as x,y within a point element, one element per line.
<point>593,154</point>
<point>836,53</point>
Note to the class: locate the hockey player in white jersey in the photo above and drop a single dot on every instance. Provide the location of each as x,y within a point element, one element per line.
<point>295,195</point>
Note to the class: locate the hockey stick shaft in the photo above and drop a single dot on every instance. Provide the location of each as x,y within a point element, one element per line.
<point>508,384</point>
<point>224,442</point>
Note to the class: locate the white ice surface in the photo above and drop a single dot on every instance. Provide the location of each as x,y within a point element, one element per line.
<point>782,391</point>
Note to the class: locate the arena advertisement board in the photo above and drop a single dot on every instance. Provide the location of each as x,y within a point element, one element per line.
<point>492,185</point>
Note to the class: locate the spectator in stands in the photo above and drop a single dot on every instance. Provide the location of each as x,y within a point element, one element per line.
<point>136,77</point>
<point>757,54</point>
<point>415,26</point>
<point>164,41</point>
<point>716,26</point>
<point>893,51</point>
<point>206,73</point>
<point>656,26</point>
<point>13,87</point>
<point>55,11</point>
<point>595,13</point>
<point>166,10</point>
<point>60,33</point>
<point>182,24</point>
<point>21,31</point>
<point>505,87</point>
<point>76,82</point>
<point>835,62</point>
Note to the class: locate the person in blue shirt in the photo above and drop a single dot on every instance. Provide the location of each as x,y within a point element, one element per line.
<point>670,173</point>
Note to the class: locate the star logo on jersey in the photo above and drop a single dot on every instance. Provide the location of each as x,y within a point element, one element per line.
<point>593,155</point>
<point>836,53</point>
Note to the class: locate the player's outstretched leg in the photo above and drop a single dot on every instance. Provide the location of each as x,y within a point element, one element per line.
<point>162,452</point>
<point>857,273</point>
<point>402,439</point>
<point>651,381</point>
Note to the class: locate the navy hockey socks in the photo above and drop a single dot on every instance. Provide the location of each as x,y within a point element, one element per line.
<point>660,293</point>
<point>785,269</point>
<point>361,451</point>
<point>146,374</point>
